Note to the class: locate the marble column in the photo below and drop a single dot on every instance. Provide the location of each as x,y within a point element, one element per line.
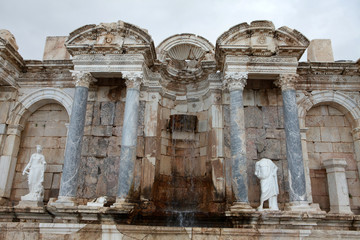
<point>69,179</point>
<point>338,189</point>
<point>129,138</point>
<point>297,183</point>
<point>235,82</point>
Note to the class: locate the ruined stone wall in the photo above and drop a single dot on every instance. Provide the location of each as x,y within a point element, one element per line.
<point>102,141</point>
<point>329,136</point>
<point>45,127</point>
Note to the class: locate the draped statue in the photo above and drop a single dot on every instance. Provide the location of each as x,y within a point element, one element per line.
<point>35,170</point>
<point>266,171</point>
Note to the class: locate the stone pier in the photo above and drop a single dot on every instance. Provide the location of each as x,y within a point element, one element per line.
<point>69,179</point>
<point>129,138</point>
<point>235,83</point>
<point>338,189</point>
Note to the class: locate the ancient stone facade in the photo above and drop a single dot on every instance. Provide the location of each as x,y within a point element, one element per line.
<point>170,135</point>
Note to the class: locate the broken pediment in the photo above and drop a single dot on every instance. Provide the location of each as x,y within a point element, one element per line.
<point>111,38</point>
<point>260,38</point>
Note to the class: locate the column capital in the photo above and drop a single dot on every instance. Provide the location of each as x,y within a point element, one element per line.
<point>235,80</point>
<point>82,79</point>
<point>287,81</point>
<point>335,163</point>
<point>133,79</point>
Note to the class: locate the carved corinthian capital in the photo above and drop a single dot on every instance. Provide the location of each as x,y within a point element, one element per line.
<point>82,79</point>
<point>235,80</point>
<point>287,81</point>
<point>133,79</point>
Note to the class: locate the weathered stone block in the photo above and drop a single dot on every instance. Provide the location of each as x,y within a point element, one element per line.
<point>114,147</point>
<point>119,113</point>
<point>320,50</point>
<point>330,134</point>
<point>343,147</point>
<point>102,131</point>
<point>55,48</point>
<point>140,147</point>
<point>98,146</point>
<point>323,147</point>
<point>313,134</point>
<point>165,165</point>
<point>96,113</point>
<point>107,113</point>
<point>89,113</point>
<point>253,117</point>
<point>270,117</point>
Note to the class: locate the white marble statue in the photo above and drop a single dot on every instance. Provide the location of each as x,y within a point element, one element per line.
<point>35,170</point>
<point>266,171</point>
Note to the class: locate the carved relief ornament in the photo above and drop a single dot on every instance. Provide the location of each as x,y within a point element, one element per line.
<point>83,79</point>
<point>133,79</point>
<point>287,81</point>
<point>235,80</point>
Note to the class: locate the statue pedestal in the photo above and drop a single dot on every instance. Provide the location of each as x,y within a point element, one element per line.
<point>303,207</point>
<point>64,202</point>
<point>29,204</point>
<point>241,207</point>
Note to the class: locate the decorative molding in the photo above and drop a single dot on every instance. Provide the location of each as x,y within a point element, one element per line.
<point>287,81</point>
<point>235,80</point>
<point>82,79</point>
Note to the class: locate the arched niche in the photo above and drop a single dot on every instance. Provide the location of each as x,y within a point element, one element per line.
<point>21,112</point>
<point>329,118</point>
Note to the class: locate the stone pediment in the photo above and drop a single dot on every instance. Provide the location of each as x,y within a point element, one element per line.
<point>260,38</point>
<point>186,57</point>
<point>111,38</point>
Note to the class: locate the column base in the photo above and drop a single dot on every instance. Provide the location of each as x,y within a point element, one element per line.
<point>64,202</point>
<point>241,207</point>
<point>340,210</point>
<point>303,207</point>
<point>123,206</point>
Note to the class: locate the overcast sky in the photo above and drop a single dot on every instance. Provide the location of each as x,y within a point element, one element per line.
<point>32,20</point>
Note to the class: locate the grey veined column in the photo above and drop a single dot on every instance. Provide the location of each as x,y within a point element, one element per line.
<point>69,179</point>
<point>297,184</point>
<point>129,138</point>
<point>236,82</point>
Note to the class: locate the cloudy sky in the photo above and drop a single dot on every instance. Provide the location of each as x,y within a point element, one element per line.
<point>31,21</point>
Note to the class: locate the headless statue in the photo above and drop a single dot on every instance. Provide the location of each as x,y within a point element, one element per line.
<point>266,171</point>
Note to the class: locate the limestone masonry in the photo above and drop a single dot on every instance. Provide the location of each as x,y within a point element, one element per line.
<point>145,142</point>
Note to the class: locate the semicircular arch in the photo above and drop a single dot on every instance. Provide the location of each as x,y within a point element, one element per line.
<point>33,101</point>
<point>339,100</point>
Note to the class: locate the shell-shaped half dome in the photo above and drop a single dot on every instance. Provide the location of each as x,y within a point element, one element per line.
<point>186,57</point>
<point>186,52</point>
<point>185,47</point>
